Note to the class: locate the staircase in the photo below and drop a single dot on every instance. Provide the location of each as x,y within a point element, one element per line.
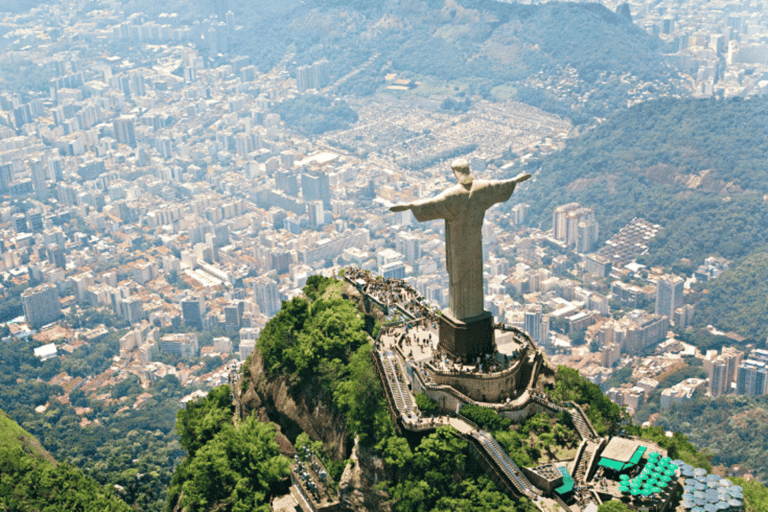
<point>581,423</point>
<point>504,463</point>
<point>582,469</point>
<point>401,395</point>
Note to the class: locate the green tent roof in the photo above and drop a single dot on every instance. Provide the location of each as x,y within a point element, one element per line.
<point>610,464</point>
<point>567,482</point>
<point>619,466</point>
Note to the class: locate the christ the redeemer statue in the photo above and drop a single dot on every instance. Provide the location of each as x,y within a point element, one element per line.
<point>463,208</point>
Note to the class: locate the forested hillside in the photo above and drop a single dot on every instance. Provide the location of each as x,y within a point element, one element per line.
<point>696,167</point>
<point>31,480</point>
<point>736,301</point>
<point>483,43</point>
<point>733,429</point>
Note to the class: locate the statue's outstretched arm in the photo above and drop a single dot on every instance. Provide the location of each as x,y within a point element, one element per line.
<point>427,209</point>
<point>501,191</point>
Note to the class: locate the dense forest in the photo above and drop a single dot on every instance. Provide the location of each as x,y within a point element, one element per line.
<point>732,429</point>
<point>738,300</point>
<point>136,449</point>
<point>683,164</point>
<point>30,479</point>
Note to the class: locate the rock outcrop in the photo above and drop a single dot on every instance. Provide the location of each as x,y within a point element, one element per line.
<point>295,411</point>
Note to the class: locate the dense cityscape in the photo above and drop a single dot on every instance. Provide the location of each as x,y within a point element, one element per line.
<point>158,197</point>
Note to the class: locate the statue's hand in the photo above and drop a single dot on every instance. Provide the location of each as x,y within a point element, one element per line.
<point>521,177</point>
<point>400,208</point>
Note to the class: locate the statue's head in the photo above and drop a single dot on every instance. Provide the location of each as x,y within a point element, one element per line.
<point>460,169</point>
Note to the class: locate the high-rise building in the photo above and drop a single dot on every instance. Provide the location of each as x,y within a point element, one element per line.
<point>220,8</point>
<point>587,234</point>
<point>316,213</point>
<point>532,323</point>
<point>751,378</point>
<point>519,213</point>
<point>192,311</point>
<point>316,76</point>
<point>286,181</point>
<point>393,270</point>
<point>132,309</point>
<point>6,176</point>
<point>125,130</point>
<point>304,78</point>
<point>722,370</point>
<point>575,226</point>
<point>559,226</point>
<point>55,256</point>
<point>38,179</point>
<point>669,295</point>
<point>35,221</point>
<point>20,223</point>
<point>267,295</point>
<point>316,187</point>
<point>322,72</point>
<point>718,378</point>
<point>576,218</point>
<point>41,305</point>
<point>181,344</point>
<point>22,115</point>
<point>230,17</point>
<point>409,246</point>
<point>233,314</point>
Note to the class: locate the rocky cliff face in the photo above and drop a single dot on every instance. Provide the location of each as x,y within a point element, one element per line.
<point>357,487</point>
<point>293,410</point>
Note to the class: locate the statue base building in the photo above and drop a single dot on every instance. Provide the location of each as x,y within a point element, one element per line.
<point>466,340</point>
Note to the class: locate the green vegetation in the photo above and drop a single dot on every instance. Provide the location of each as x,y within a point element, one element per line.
<point>319,343</point>
<point>733,429</point>
<point>486,418</point>
<point>755,495</point>
<point>527,442</point>
<point>228,467</point>
<point>738,300</point>
<point>436,476</point>
<point>31,480</point>
<point>570,386</point>
<point>613,506</point>
<point>702,338</point>
<point>682,164</point>
<point>25,78</point>
<point>361,397</point>
<point>677,446</point>
<point>426,405</point>
<point>136,449</point>
<point>315,115</point>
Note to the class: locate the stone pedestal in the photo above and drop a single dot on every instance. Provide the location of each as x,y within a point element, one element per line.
<point>467,339</point>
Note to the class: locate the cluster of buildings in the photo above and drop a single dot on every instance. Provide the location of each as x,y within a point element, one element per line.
<point>720,46</point>
<point>165,190</point>
<point>732,372</point>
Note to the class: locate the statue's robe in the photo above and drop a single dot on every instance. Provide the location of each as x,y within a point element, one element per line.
<point>463,209</point>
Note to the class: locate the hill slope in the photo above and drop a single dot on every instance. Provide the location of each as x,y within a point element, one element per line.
<point>687,165</point>
<point>31,480</point>
<point>483,42</point>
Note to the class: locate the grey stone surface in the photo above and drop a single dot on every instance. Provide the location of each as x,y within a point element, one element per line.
<point>463,208</point>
